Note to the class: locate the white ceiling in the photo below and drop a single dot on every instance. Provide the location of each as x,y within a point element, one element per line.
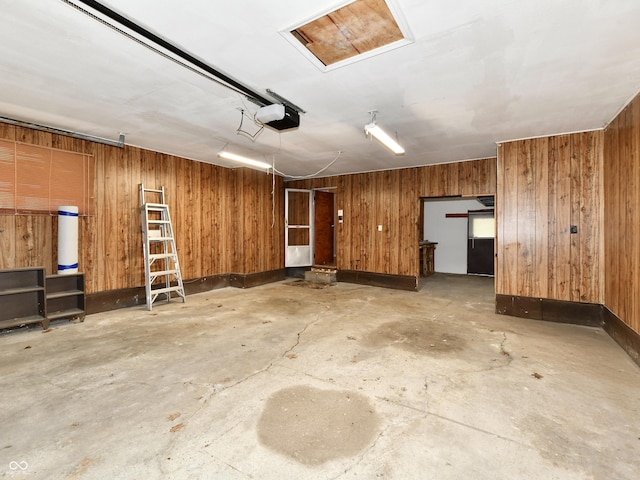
<point>479,72</point>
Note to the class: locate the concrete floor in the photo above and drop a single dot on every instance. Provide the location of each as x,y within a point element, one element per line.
<point>288,382</point>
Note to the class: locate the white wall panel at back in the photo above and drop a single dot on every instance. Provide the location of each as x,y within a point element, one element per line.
<point>450,233</point>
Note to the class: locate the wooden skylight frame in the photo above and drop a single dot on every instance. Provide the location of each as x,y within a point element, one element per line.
<point>350,32</point>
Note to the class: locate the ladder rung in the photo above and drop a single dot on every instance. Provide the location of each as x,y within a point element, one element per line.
<point>157,222</point>
<point>162,273</point>
<point>160,256</point>
<point>160,239</point>
<point>157,291</point>
<point>151,190</point>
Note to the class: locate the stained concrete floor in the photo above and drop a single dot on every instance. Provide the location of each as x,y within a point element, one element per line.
<point>284,381</point>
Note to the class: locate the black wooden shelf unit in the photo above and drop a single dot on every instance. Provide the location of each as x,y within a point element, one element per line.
<point>29,296</point>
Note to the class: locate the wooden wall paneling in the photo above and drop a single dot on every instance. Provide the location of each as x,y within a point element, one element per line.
<point>218,232</point>
<point>526,218</point>
<point>237,207</point>
<point>563,216</point>
<point>34,137</point>
<point>177,206</point>
<point>454,182</point>
<point>7,132</point>
<point>8,241</point>
<point>366,224</point>
<point>250,238</point>
<point>185,210</point>
<point>123,193</point>
<point>500,222</point>
<point>508,255</point>
<point>623,227</point>
<point>540,157</point>
<point>436,181</point>
<point>109,219</point>
<point>344,249</point>
<point>391,221</point>
<point>377,194</point>
<point>87,254</point>
<point>590,218</point>
<point>609,167</point>
<point>227,219</point>
<point>275,203</point>
<point>467,182</point>
<point>630,231</point>
<point>575,240</point>
<point>553,226</point>
<point>622,215</point>
<point>136,164</point>
<point>33,241</point>
<point>95,277</point>
<point>195,223</point>
<point>206,215</point>
<point>614,219</point>
<point>408,236</point>
<point>70,144</point>
<point>634,175</point>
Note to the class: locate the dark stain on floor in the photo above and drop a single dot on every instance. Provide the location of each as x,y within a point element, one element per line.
<point>417,336</point>
<point>314,426</point>
<point>307,284</point>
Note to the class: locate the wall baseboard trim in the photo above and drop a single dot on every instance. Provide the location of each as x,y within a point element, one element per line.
<point>576,313</point>
<point>622,334</point>
<point>248,280</point>
<point>131,297</point>
<point>398,282</point>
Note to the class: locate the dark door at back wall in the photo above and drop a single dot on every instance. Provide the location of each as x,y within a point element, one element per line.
<point>324,247</point>
<point>480,242</point>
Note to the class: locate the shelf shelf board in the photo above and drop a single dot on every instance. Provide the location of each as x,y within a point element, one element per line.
<point>71,312</point>
<point>18,322</point>
<point>63,293</point>
<point>16,291</point>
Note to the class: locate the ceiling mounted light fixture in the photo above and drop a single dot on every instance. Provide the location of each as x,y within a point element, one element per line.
<point>247,161</point>
<point>373,130</point>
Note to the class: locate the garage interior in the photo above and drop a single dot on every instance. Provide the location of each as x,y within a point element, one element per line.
<point>385,373</point>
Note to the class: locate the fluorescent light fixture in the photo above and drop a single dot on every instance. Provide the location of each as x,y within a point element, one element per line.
<point>245,160</point>
<point>382,137</point>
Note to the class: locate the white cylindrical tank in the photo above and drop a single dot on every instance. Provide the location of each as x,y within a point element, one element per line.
<point>67,239</point>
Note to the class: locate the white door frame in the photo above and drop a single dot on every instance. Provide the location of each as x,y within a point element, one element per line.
<point>298,255</point>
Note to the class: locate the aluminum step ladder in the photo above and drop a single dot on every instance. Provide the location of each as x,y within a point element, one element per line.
<point>161,267</point>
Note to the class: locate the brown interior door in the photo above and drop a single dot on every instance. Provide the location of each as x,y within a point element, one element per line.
<point>324,227</point>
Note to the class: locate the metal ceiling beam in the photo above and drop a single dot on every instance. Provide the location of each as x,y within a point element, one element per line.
<point>152,37</point>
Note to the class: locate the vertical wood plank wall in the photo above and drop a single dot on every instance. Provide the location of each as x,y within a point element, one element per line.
<point>545,185</point>
<point>391,198</point>
<point>222,217</point>
<point>622,215</point>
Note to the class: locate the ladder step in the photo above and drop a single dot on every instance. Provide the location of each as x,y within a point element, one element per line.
<point>157,222</point>
<point>157,291</point>
<point>160,239</point>
<point>161,256</point>
<point>162,273</point>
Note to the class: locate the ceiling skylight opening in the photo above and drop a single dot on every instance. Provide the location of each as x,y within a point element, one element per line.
<point>354,31</point>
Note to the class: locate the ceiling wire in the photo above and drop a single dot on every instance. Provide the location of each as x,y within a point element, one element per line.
<point>302,177</point>
<point>253,137</point>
